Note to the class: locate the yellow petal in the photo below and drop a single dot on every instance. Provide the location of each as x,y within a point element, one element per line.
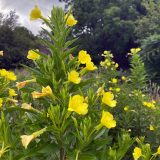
<point>73,76</point>
<point>35,13</point>
<point>71,21</point>
<point>26,139</point>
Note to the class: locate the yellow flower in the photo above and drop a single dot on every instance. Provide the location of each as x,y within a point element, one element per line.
<point>83,57</point>
<point>126,108</point>
<point>20,85</point>
<point>76,104</point>
<point>14,101</point>
<point>27,106</point>
<point>123,78</point>
<point>26,139</point>
<point>108,64</point>
<point>158,150</point>
<point>46,91</point>
<point>8,75</point>
<point>73,76</point>
<point>1,102</point>
<point>151,128</point>
<point>71,21</point>
<point>3,72</point>
<point>35,13</point>
<point>149,104</point>
<point>107,120</point>
<point>100,91</point>
<point>32,55</point>
<point>11,76</point>
<point>108,99</point>
<point>114,80</point>
<point>1,53</point>
<point>135,50</point>
<point>137,153</point>
<point>37,94</point>
<point>12,92</point>
<point>116,65</point>
<point>90,66</point>
<point>117,89</point>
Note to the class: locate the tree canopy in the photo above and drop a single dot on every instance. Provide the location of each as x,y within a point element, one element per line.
<point>15,41</point>
<point>107,25</point>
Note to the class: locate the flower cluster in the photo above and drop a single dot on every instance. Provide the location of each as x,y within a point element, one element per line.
<point>8,75</point>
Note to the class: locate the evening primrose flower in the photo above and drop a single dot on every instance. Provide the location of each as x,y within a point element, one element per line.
<point>27,106</point>
<point>11,76</point>
<point>116,65</point>
<point>3,72</point>
<point>20,85</point>
<point>35,13</point>
<point>70,20</point>
<point>26,139</point>
<point>46,91</point>
<point>1,102</point>
<point>100,91</point>
<point>126,108</point>
<point>151,128</point>
<point>90,66</point>
<point>8,75</point>
<point>14,101</point>
<point>137,153</point>
<point>107,120</point>
<point>123,78</point>
<point>33,55</point>
<point>117,89</point>
<point>114,80</point>
<point>135,50</point>
<point>77,104</point>
<point>12,92</point>
<point>108,99</point>
<point>149,104</point>
<point>83,57</point>
<point>73,76</point>
<point>158,150</point>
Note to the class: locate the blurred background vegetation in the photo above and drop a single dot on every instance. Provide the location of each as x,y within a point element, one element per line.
<point>113,25</point>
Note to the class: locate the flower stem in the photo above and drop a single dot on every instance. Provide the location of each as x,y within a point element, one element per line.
<point>77,155</point>
<point>62,154</point>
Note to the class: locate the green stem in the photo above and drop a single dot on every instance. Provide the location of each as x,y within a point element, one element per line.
<point>77,155</point>
<point>62,154</point>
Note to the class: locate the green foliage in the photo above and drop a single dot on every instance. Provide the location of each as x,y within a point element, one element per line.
<point>151,56</point>
<point>137,70</point>
<point>106,25</point>
<point>148,24</point>
<point>15,41</point>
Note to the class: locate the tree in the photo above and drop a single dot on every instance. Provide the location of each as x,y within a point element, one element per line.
<point>10,20</point>
<point>15,41</point>
<point>149,23</point>
<point>107,25</point>
<point>148,35</point>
